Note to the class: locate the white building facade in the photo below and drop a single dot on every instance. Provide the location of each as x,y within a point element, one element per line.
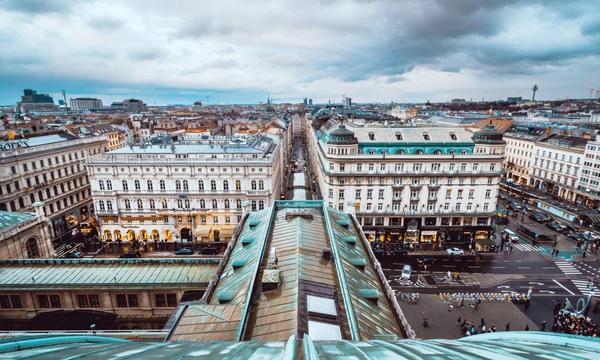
<point>49,169</point>
<point>187,191</point>
<point>557,163</point>
<point>85,104</point>
<point>588,186</point>
<point>519,155</point>
<point>422,187</point>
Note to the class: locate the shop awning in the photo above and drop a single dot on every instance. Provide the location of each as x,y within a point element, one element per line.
<point>429,232</point>
<point>202,231</point>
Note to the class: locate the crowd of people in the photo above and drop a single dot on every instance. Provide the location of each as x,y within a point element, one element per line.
<point>569,323</point>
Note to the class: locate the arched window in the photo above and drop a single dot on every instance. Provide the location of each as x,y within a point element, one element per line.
<point>137,185</point>
<point>238,203</point>
<point>187,203</point>
<point>253,185</point>
<point>261,185</point>
<point>127,204</point>
<point>202,204</point>
<point>261,204</point>
<point>238,185</point>
<point>109,205</point>
<point>125,185</point>
<point>101,184</point>
<point>108,185</point>
<point>180,203</point>
<point>150,185</point>
<point>226,203</point>
<point>185,185</point>
<point>213,185</point>
<point>419,152</point>
<point>437,152</point>
<point>178,185</point>
<point>225,185</point>
<point>214,203</point>
<point>152,204</point>
<point>200,185</point>
<point>400,152</point>
<point>165,203</point>
<point>162,184</point>
<point>32,249</point>
<point>101,205</point>
<point>140,204</point>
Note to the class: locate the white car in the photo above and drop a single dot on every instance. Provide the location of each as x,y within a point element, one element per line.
<point>455,251</point>
<point>406,272</point>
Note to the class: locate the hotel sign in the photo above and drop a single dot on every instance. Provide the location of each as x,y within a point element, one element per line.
<point>13,145</point>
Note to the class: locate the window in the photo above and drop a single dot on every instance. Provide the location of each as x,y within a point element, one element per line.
<point>238,203</point>
<point>398,136</point>
<point>185,185</point>
<point>164,203</point>
<point>108,205</point>
<point>357,196</point>
<point>127,204</point>
<point>51,301</point>
<point>180,203</point>
<point>261,185</point>
<point>342,167</point>
<point>150,186</point>
<point>88,301</point>
<point>381,191</point>
<point>202,204</point>
<point>140,204</point>
<point>226,203</point>
<point>108,184</point>
<point>178,185</point>
<point>453,136</point>
<point>215,204</point>
<point>426,136</point>
<point>137,185</point>
<point>11,302</point>
<point>371,136</point>
<point>238,185</point>
<point>127,300</point>
<point>125,185</point>
<point>261,204</point>
<point>101,205</point>
<point>253,185</point>
<point>165,300</point>
<point>101,184</point>
<point>152,204</point>
<point>225,185</point>
<point>162,184</point>
<point>488,194</point>
<point>341,193</point>
<point>213,185</point>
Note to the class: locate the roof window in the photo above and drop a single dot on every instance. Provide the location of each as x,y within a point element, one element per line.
<point>321,305</point>
<point>426,136</point>
<point>398,136</point>
<point>371,136</point>
<point>453,136</point>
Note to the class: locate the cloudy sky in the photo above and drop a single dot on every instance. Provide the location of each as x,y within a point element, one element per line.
<point>178,51</point>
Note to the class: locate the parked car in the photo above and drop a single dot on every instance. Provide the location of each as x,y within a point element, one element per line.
<point>558,227</point>
<point>541,218</point>
<point>426,260</point>
<point>455,251</point>
<point>131,255</point>
<point>406,272</point>
<point>515,205</point>
<point>571,227</point>
<point>510,235</point>
<point>209,250</point>
<point>185,251</point>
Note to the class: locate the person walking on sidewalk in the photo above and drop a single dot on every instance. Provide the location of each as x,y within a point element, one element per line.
<point>507,327</point>
<point>543,327</point>
<point>458,321</point>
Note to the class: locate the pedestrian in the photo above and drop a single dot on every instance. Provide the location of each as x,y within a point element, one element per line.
<point>462,302</point>
<point>527,327</point>
<point>557,253</point>
<point>482,322</point>
<point>483,329</point>
<point>472,330</point>
<point>590,284</point>
<point>458,321</point>
<point>507,327</point>
<point>543,328</point>
<point>511,248</point>
<point>493,328</point>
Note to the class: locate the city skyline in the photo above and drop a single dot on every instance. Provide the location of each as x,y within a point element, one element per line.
<point>231,52</point>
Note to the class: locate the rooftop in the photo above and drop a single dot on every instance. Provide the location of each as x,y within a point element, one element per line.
<point>500,345</point>
<point>101,273</point>
<point>10,219</point>
<point>286,265</point>
<point>38,140</point>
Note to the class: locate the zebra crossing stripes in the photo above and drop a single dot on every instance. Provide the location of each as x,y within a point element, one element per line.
<point>582,285</point>
<point>528,247</point>
<point>567,268</point>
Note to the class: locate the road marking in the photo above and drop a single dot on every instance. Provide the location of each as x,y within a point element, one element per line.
<point>522,267</point>
<point>535,283</point>
<point>498,267</point>
<point>582,285</point>
<point>504,287</point>
<point>448,266</point>
<point>562,286</point>
<point>548,291</point>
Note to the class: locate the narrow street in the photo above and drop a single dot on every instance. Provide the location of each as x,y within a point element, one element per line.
<point>300,182</point>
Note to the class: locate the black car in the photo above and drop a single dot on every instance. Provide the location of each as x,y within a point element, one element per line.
<point>556,226</point>
<point>184,251</point>
<point>539,218</point>
<point>426,260</point>
<point>132,255</point>
<point>73,255</point>
<point>515,205</point>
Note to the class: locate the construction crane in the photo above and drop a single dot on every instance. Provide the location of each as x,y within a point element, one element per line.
<point>597,91</point>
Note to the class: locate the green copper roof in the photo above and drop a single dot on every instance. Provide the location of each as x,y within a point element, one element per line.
<point>9,218</point>
<point>95,273</point>
<point>499,345</point>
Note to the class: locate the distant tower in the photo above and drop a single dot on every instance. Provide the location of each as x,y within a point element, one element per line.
<point>535,88</point>
<point>64,94</point>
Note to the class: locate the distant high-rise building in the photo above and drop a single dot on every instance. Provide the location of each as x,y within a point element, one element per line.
<point>31,101</point>
<point>134,105</point>
<point>305,101</point>
<point>310,102</point>
<point>85,103</point>
<point>347,102</point>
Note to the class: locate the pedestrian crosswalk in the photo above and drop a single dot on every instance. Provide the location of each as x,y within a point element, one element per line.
<point>567,267</point>
<point>528,247</point>
<point>584,286</point>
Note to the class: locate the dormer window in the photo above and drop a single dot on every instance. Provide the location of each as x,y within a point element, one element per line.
<point>371,136</point>
<point>453,136</point>
<point>398,136</point>
<point>426,136</point>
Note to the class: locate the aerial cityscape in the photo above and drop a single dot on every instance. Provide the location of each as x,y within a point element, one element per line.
<point>300,180</point>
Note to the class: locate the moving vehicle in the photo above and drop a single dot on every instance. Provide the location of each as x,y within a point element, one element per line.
<point>541,218</point>
<point>73,255</point>
<point>455,251</point>
<point>132,255</point>
<point>515,205</point>
<point>184,251</point>
<point>510,236</point>
<point>556,226</point>
<point>406,272</point>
